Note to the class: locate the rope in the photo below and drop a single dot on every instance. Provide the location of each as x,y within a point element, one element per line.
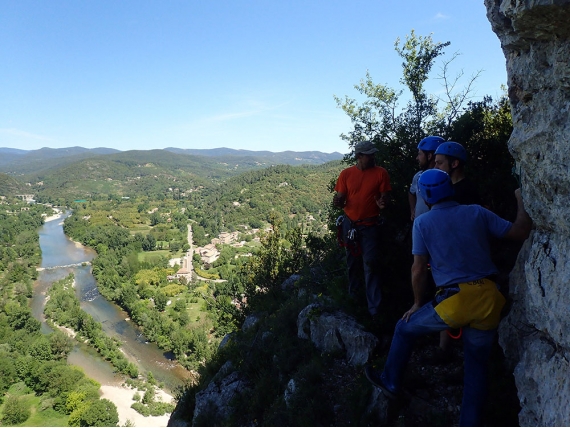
<point>450,334</point>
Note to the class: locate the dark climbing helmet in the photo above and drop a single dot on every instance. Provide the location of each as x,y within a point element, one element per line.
<point>430,144</point>
<point>451,148</point>
<point>435,185</point>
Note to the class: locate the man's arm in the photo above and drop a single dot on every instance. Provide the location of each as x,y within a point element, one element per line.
<point>419,282</point>
<point>412,199</point>
<point>339,199</point>
<point>520,230</point>
<point>382,199</point>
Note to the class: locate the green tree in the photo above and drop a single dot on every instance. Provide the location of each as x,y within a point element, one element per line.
<point>75,400</point>
<point>148,396</point>
<point>396,129</point>
<point>15,411</point>
<point>174,246</point>
<point>100,413</point>
<point>484,129</point>
<point>155,219</point>
<point>7,373</point>
<point>41,348</point>
<point>149,243</point>
<point>160,301</point>
<point>180,305</point>
<point>61,345</point>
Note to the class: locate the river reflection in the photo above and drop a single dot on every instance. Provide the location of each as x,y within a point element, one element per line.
<point>60,257</point>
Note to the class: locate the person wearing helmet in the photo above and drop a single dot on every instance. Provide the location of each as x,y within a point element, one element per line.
<point>454,239</point>
<point>451,157</point>
<point>362,191</point>
<point>426,160</point>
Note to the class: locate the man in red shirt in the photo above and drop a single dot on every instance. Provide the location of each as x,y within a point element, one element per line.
<point>363,191</point>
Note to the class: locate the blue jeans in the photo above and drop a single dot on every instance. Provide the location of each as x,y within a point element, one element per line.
<point>477,346</point>
<point>362,259</point>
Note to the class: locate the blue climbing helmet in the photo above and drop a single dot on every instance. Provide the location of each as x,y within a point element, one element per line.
<point>430,144</point>
<point>451,148</point>
<point>435,185</point>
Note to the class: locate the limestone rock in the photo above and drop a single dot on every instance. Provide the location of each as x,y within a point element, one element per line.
<point>290,282</point>
<point>377,408</point>
<point>290,392</point>
<point>224,342</point>
<point>217,397</point>
<point>535,38</point>
<point>334,332</point>
<point>252,320</point>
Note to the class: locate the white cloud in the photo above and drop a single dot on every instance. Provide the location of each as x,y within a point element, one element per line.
<point>440,16</point>
<point>259,109</point>
<point>18,133</point>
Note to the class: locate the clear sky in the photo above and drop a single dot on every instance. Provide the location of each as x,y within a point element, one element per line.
<point>243,74</point>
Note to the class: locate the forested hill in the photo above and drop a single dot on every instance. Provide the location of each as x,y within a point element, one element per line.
<point>289,192</point>
<point>127,174</point>
<point>15,161</point>
<point>159,174</point>
<point>10,186</point>
<point>264,157</point>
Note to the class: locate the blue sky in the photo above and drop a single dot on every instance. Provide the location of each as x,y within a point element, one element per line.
<point>255,75</point>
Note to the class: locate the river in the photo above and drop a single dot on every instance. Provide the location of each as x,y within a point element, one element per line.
<point>60,257</point>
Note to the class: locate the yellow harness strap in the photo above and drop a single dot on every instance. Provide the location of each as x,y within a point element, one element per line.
<point>478,305</point>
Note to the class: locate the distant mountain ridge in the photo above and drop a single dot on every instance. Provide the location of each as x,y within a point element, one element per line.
<point>17,161</point>
<point>288,157</point>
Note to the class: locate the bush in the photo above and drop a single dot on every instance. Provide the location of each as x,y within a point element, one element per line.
<point>141,408</point>
<point>101,413</point>
<point>205,274</point>
<point>16,411</point>
<point>159,408</point>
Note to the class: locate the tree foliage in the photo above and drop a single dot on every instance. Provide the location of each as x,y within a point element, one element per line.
<point>100,413</point>
<point>396,125</point>
<point>16,411</point>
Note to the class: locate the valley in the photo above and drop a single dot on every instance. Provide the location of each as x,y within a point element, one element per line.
<point>158,262</point>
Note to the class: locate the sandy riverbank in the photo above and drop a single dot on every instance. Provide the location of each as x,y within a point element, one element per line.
<point>57,215</point>
<point>122,397</point>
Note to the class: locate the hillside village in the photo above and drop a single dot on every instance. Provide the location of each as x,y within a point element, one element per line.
<point>208,253</point>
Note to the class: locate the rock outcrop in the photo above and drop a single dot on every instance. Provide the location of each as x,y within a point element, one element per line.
<point>335,332</point>
<point>216,400</point>
<point>535,38</point>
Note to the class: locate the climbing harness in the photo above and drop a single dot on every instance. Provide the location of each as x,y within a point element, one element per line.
<point>351,236</point>
<point>476,304</point>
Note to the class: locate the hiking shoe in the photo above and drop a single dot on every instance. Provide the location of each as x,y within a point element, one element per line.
<point>438,357</point>
<point>374,377</point>
<point>377,319</point>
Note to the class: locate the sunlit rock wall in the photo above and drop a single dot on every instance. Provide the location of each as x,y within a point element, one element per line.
<point>534,35</point>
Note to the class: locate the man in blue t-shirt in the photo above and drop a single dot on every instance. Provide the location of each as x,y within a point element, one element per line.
<point>426,160</point>
<point>453,238</point>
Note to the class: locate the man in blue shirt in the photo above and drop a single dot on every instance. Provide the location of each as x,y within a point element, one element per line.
<point>451,157</point>
<point>453,238</point>
<point>426,160</point>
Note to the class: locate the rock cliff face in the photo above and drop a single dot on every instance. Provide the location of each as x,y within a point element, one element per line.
<point>535,37</point>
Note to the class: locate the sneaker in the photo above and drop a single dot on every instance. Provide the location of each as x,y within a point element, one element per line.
<point>374,377</point>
